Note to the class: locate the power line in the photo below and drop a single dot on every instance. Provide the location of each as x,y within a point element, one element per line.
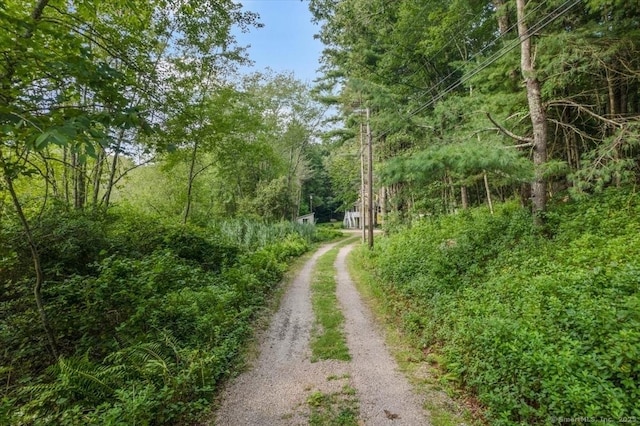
<point>543,23</point>
<point>490,44</point>
<point>568,4</point>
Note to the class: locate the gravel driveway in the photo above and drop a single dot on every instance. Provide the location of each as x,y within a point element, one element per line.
<point>275,390</point>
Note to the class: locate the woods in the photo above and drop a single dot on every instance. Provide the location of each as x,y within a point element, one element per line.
<point>551,82</point>
<point>144,182</point>
<point>150,188</point>
<point>506,141</point>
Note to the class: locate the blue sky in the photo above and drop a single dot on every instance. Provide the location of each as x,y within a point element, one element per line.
<point>286,42</point>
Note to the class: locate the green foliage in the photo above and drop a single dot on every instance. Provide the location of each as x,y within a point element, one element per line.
<point>444,87</point>
<point>324,233</point>
<point>253,234</point>
<point>149,316</point>
<point>536,327</point>
<point>142,318</point>
<point>272,199</point>
<point>464,160</point>
<point>611,163</point>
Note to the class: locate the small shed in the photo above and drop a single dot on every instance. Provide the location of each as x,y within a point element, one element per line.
<point>307,218</point>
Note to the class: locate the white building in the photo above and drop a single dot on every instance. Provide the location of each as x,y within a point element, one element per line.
<point>307,218</point>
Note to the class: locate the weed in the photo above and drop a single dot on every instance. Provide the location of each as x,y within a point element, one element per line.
<point>534,327</point>
<point>334,409</point>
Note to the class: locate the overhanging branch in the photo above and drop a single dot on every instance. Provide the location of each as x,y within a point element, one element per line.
<point>615,122</point>
<point>525,141</point>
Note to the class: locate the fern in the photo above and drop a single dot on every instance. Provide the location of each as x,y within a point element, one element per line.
<point>148,360</point>
<point>74,382</point>
<point>85,377</point>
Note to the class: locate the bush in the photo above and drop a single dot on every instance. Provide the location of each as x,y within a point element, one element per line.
<point>149,316</point>
<point>326,234</point>
<point>536,327</point>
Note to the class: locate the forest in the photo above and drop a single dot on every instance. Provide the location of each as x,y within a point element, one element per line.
<point>146,201</point>
<point>149,191</point>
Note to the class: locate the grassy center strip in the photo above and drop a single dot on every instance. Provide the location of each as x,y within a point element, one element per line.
<point>327,335</point>
<point>334,408</point>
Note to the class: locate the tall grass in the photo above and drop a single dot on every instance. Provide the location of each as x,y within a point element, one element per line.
<point>253,234</point>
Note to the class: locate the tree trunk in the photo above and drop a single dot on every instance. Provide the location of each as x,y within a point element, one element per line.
<point>65,175</point>
<point>50,177</point>
<point>537,113</point>
<point>453,200</point>
<point>192,166</point>
<point>106,199</point>
<point>614,110</point>
<point>74,178</point>
<point>488,191</point>
<point>80,183</point>
<point>97,177</point>
<point>383,201</point>
<point>464,196</point>
<point>296,210</point>
<point>502,15</point>
<point>35,257</point>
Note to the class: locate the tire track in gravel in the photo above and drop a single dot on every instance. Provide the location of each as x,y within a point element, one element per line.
<point>383,391</point>
<point>275,390</point>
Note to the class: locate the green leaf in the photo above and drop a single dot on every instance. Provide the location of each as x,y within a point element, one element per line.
<point>90,150</point>
<point>59,138</point>
<point>43,140</point>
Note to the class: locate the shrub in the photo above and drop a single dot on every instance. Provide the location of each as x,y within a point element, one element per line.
<point>149,316</point>
<point>536,327</point>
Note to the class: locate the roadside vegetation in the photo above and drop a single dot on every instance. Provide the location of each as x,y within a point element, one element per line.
<point>535,323</point>
<point>148,316</point>
<point>146,198</point>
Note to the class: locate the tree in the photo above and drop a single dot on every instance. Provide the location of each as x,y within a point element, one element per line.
<point>537,114</point>
<point>75,77</point>
<point>438,73</point>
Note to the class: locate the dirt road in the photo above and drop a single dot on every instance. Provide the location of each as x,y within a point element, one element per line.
<point>275,391</point>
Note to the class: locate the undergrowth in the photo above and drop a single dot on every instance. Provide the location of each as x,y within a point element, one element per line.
<point>538,325</point>
<point>149,317</point>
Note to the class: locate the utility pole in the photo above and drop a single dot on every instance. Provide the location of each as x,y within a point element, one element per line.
<point>362,185</point>
<point>370,179</point>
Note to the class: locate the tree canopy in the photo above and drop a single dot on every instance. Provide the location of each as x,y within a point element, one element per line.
<point>436,74</point>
